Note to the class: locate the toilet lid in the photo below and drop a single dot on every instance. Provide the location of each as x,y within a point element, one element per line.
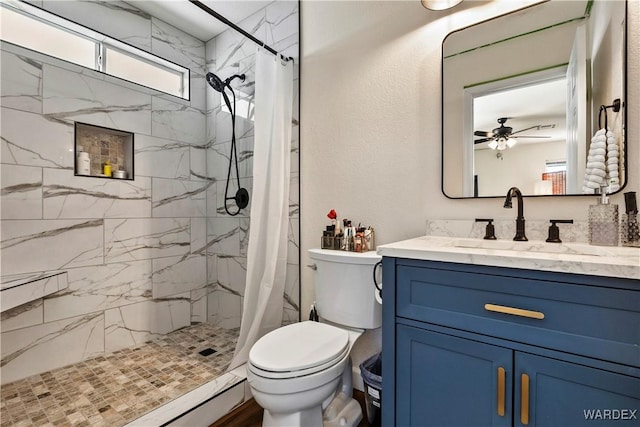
<point>299,346</point>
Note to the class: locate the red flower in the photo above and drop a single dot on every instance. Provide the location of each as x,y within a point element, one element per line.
<point>332,214</point>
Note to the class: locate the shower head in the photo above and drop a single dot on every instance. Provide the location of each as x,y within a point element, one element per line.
<point>219,85</point>
<point>215,82</point>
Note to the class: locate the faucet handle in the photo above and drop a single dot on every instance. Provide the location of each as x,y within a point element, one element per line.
<point>490,231</point>
<point>554,231</point>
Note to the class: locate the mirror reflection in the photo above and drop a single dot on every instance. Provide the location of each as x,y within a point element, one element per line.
<point>521,101</point>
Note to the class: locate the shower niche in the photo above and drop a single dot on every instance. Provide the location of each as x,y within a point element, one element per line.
<point>103,152</point>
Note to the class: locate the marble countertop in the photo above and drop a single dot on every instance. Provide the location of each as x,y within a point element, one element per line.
<point>577,258</point>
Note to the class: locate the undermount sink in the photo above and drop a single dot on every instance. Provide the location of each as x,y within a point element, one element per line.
<point>544,247</point>
<point>577,258</point>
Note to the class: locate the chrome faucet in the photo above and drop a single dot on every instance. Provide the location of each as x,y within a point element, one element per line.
<point>520,237</point>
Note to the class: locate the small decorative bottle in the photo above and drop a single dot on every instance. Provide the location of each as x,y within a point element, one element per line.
<point>106,169</point>
<point>83,163</point>
<point>337,230</point>
<point>603,222</point>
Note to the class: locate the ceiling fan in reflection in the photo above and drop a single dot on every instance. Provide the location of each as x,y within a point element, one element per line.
<point>504,137</point>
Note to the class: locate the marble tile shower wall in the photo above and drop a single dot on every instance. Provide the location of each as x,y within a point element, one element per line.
<point>227,54</point>
<point>135,251</point>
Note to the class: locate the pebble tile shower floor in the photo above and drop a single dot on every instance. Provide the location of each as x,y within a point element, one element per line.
<point>117,388</point>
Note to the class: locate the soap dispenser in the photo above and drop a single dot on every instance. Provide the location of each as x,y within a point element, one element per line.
<point>603,222</point>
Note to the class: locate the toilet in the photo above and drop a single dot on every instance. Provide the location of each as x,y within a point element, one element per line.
<point>301,373</point>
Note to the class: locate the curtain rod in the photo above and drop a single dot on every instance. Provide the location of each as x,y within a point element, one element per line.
<point>238,29</point>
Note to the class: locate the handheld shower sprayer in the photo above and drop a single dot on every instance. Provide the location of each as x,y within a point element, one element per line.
<point>215,82</point>
<point>219,85</point>
<point>242,195</point>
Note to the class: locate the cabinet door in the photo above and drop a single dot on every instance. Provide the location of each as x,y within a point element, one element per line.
<point>553,393</point>
<point>443,380</point>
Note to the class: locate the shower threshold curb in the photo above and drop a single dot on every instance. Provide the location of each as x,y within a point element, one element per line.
<point>210,402</point>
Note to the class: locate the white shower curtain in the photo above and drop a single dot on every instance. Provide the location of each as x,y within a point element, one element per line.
<point>268,226</point>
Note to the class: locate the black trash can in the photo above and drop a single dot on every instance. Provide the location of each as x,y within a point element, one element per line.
<point>371,370</point>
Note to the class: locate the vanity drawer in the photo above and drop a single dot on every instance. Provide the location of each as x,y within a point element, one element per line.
<point>593,321</point>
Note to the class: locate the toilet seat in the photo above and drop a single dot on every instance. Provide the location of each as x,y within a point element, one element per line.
<point>298,349</point>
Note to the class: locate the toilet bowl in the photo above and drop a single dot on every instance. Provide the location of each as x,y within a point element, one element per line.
<point>301,373</point>
<point>294,370</point>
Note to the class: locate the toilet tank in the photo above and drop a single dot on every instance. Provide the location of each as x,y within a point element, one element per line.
<point>345,292</point>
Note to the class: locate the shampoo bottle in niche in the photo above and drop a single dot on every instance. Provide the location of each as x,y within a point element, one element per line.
<point>83,163</point>
<point>603,222</point>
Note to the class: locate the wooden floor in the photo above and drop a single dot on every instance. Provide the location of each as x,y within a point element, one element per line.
<point>249,414</point>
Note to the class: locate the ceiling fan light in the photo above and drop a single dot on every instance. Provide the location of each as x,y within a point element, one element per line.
<point>502,143</point>
<point>511,142</point>
<point>493,144</point>
<point>440,4</point>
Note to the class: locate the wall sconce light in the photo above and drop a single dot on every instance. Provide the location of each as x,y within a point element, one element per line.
<point>440,4</point>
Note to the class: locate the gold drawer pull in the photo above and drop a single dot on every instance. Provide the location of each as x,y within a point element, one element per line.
<point>524,399</point>
<point>501,390</point>
<point>514,311</point>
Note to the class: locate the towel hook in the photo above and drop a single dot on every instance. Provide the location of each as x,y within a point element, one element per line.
<point>603,109</point>
<point>616,105</point>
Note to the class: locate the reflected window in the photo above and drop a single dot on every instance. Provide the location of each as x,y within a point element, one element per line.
<point>556,177</point>
<point>555,166</point>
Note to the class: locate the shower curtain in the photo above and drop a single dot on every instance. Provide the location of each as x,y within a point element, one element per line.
<point>268,226</point>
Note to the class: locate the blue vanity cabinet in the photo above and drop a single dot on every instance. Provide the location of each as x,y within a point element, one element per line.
<point>470,386</point>
<point>553,393</point>
<point>468,345</point>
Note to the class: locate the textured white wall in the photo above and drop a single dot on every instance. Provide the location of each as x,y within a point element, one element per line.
<point>370,120</point>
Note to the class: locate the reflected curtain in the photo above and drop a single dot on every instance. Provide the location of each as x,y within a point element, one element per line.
<point>558,181</point>
<point>268,225</point>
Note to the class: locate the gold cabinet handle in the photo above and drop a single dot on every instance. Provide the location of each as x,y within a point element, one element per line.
<point>524,399</point>
<point>514,311</point>
<point>501,390</point>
